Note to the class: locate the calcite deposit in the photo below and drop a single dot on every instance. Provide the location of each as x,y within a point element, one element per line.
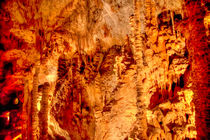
<point>104,69</point>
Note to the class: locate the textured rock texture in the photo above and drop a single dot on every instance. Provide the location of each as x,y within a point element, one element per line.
<point>103,69</point>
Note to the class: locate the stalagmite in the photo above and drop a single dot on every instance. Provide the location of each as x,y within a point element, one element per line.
<point>43,119</point>
<point>25,113</point>
<point>139,48</point>
<point>34,111</point>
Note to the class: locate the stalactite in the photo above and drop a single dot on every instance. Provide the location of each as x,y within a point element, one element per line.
<point>119,66</point>
<point>172,22</point>
<point>153,14</point>
<point>132,38</point>
<point>148,14</point>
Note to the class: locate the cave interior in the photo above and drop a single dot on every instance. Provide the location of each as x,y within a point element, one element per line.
<point>104,69</point>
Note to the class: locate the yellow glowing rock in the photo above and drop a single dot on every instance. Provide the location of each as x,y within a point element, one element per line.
<point>188,94</point>
<point>207,23</point>
<point>150,116</point>
<point>166,105</point>
<point>179,106</point>
<point>17,137</point>
<point>192,134</point>
<point>16,101</point>
<point>38,106</point>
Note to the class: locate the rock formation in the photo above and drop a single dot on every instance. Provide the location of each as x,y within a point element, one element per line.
<point>104,69</point>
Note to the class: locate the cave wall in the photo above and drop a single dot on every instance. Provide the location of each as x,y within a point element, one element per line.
<point>87,56</point>
<point>198,50</point>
